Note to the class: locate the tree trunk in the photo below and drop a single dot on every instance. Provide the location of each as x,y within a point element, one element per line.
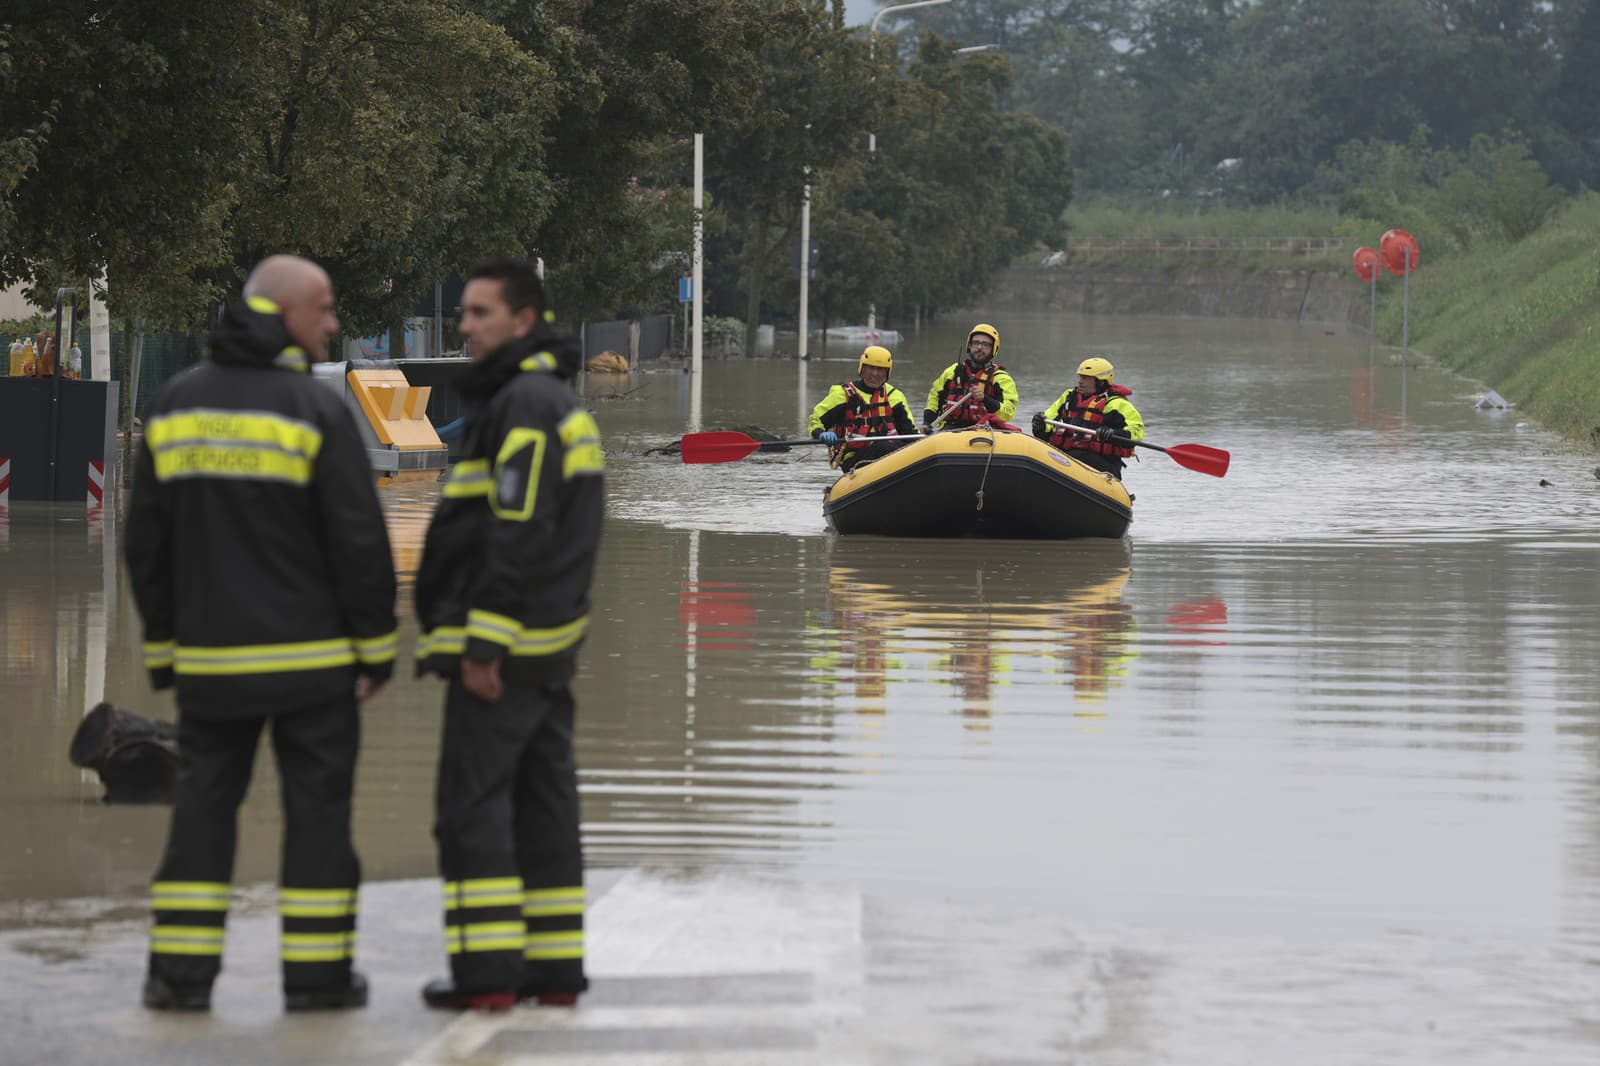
<point>397,340</point>
<point>755,282</point>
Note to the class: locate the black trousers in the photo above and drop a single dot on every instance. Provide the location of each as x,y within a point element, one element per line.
<point>316,755</point>
<point>509,849</point>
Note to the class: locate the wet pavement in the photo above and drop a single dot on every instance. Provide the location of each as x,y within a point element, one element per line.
<point>1305,769</point>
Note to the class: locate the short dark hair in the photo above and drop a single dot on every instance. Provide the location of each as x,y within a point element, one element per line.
<point>520,286</point>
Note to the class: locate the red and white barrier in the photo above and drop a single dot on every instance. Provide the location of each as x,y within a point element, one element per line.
<point>97,484</point>
<point>5,482</point>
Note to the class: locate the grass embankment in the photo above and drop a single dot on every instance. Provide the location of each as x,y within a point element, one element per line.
<point>1524,318</point>
<point>1152,219</point>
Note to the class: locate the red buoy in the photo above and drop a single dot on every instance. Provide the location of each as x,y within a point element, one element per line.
<point>1367,263</point>
<point>1395,246</point>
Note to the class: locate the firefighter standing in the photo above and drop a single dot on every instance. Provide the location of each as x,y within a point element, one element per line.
<point>1094,403</point>
<point>981,384</point>
<point>260,563</point>
<point>503,600</point>
<point>866,407</point>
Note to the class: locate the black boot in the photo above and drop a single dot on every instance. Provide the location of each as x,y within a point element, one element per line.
<point>335,997</point>
<point>161,994</point>
<point>443,994</point>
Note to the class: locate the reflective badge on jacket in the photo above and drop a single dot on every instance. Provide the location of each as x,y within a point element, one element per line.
<point>509,488</point>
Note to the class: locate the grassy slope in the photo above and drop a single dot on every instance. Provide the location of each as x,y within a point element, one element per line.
<point>1525,318</point>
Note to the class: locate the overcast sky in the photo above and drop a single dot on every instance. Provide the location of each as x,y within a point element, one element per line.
<point>859,12</point>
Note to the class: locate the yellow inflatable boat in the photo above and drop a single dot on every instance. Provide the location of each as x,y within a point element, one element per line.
<point>978,482</point>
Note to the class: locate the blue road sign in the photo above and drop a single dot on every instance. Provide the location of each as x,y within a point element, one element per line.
<point>686,289</point>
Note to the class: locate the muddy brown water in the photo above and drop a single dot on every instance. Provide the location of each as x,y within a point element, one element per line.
<point>1317,741</point>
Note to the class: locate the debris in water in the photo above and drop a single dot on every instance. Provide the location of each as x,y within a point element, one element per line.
<point>1492,401</point>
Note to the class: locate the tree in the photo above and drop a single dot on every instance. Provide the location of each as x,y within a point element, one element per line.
<point>965,187</point>
<point>387,139</point>
<point>809,113</point>
<point>633,79</point>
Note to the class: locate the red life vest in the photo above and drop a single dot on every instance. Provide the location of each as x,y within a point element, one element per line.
<point>867,414</point>
<point>1092,413</point>
<point>965,377</point>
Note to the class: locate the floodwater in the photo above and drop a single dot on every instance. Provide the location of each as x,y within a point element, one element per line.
<point>1306,768</point>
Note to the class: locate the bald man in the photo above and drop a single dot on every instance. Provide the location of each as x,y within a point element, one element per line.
<point>260,564</point>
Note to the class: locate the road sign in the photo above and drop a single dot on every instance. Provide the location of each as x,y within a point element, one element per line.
<point>686,289</point>
<point>811,260</point>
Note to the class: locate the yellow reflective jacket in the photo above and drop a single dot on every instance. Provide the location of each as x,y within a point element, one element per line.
<point>999,396</point>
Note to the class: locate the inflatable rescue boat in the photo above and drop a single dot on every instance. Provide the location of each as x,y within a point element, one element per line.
<point>979,482</point>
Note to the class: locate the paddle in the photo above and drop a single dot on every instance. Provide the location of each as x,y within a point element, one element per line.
<point>1213,461</point>
<point>727,446</point>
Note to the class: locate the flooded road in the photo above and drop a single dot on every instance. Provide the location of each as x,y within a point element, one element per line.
<point>1305,769</point>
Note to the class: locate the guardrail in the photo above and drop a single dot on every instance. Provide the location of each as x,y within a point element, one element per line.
<point>1307,246</point>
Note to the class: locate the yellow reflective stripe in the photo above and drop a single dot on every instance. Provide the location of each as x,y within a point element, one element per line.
<point>209,442</point>
<point>552,640</point>
<point>580,438</point>
<point>452,640</point>
<point>548,902</point>
<point>224,428</point>
<point>516,440</point>
<point>292,358</point>
<point>265,658</point>
<point>158,653</point>
<point>496,628</point>
<point>567,944</point>
<point>378,649</point>
<point>483,892</point>
<point>539,361</point>
<point>190,896</point>
<point>186,940</point>
<point>446,640</point>
<point>261,305</point>
<point>316,902</point>
<point>317,947</point>
<point>469,477</point>
<point>246,462</point>
<point>488,936</point>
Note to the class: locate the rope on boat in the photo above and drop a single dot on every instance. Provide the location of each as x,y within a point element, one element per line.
<point>985,479</point>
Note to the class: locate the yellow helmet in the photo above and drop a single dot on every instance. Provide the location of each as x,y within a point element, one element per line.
<point>1097,367</point>
<point>989,331</point>
<point>875,356</point>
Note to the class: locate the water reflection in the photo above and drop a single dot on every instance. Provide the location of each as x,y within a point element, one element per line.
<point>1345,691</point>
<point>970,630</point>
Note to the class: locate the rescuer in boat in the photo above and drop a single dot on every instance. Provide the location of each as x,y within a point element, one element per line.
<point>981,383</point>
<point>1095,404</point>
<point>866,407</point>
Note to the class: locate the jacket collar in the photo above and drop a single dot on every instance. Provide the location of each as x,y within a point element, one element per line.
<point>545,350</point>
<point>253,334</point>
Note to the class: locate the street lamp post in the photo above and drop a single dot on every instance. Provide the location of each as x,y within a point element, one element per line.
<point>872,44</point>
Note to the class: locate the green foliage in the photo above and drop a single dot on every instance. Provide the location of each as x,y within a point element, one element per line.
<point>1521,316</point>
<point>1156,93</point>
<point>1121,216</point>
<point>1449,200</point>
<point>965,186</point>
<point>807,112</point>
<point>633,79</point>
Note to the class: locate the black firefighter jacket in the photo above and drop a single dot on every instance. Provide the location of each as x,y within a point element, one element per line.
<point>256,547</point>
<point>511,549</point>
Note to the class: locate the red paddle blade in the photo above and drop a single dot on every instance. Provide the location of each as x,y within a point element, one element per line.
<point>1213,461</point>
<point>720,446</point>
